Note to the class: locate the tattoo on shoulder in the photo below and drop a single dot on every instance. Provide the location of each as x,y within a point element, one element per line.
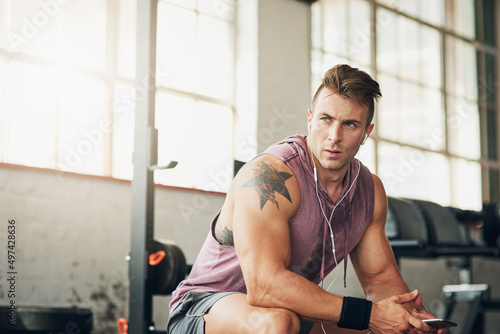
<point>268,181</point>
<point>224,235</point>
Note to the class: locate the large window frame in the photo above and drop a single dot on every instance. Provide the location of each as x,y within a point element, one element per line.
<point>82,119</point>
<point>460,138</point>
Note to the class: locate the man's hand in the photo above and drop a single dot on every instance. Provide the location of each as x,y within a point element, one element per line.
<point>420,312</point>
<point>389,315</point>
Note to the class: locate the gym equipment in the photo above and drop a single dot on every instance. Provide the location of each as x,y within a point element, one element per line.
<point>423,229</point>
<point>406,230</point>
<point>154,267</point>
<point>476,295</point>
<point>167,267</point>
<point>45,320</point>
<point>490,215</point>
<point>144,160</point>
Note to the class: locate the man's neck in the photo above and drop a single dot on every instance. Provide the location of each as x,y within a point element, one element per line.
<point>333,182</point>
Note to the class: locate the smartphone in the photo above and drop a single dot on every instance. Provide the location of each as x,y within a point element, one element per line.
<point>440,323</point>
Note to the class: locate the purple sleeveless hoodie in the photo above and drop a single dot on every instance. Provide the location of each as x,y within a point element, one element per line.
<point>217,268</point>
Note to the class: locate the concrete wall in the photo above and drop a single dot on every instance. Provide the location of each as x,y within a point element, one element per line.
<point>73,233</point>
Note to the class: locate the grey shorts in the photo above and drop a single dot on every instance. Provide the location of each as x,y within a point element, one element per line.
<point>187,317</point>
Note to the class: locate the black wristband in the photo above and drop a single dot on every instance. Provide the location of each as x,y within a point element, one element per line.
<point>355,313</point>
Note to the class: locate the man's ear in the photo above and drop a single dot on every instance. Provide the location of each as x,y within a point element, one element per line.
<point>368,131</point>
<point>309,120</point>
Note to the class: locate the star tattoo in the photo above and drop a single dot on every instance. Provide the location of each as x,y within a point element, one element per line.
<point>268,181</point>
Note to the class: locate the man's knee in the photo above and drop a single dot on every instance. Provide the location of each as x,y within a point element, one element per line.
<point>284,322</point>
<point>275,321</point>
<point>233,314</point>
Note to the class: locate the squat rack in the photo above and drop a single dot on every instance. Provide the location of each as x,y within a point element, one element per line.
<point>144,160</point>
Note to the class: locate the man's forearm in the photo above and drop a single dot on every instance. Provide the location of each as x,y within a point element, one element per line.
<point>386,289</point>
<point>383,291</point>
<point>295,293</point>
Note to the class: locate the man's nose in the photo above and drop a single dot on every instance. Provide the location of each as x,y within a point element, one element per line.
<point>335,133</point>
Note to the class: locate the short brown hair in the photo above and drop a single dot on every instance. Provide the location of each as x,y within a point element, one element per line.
<point>351,83</point>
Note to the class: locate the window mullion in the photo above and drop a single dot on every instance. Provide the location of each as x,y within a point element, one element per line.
<point>111,70</point>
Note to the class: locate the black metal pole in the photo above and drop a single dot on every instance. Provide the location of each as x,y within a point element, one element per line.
<point>140,302</point>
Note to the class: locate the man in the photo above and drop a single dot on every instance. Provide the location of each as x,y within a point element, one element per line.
<point>290,216</point>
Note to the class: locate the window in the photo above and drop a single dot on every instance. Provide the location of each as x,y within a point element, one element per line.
<point>67,87</point>
<point>194,101</point>
<point>436,126</point>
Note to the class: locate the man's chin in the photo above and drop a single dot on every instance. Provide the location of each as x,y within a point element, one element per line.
<point>334,166</point>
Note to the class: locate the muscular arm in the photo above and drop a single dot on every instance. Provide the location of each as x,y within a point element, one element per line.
<point>264,198</point>
<point>373,259</point>
<point>377,271</point>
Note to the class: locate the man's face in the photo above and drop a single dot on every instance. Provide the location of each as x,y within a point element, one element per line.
<point>337,128</point>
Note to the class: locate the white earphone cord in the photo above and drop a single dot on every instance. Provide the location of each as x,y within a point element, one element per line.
<point>328,221</point>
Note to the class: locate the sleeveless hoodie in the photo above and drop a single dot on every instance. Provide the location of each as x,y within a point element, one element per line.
<point>217,267</point>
